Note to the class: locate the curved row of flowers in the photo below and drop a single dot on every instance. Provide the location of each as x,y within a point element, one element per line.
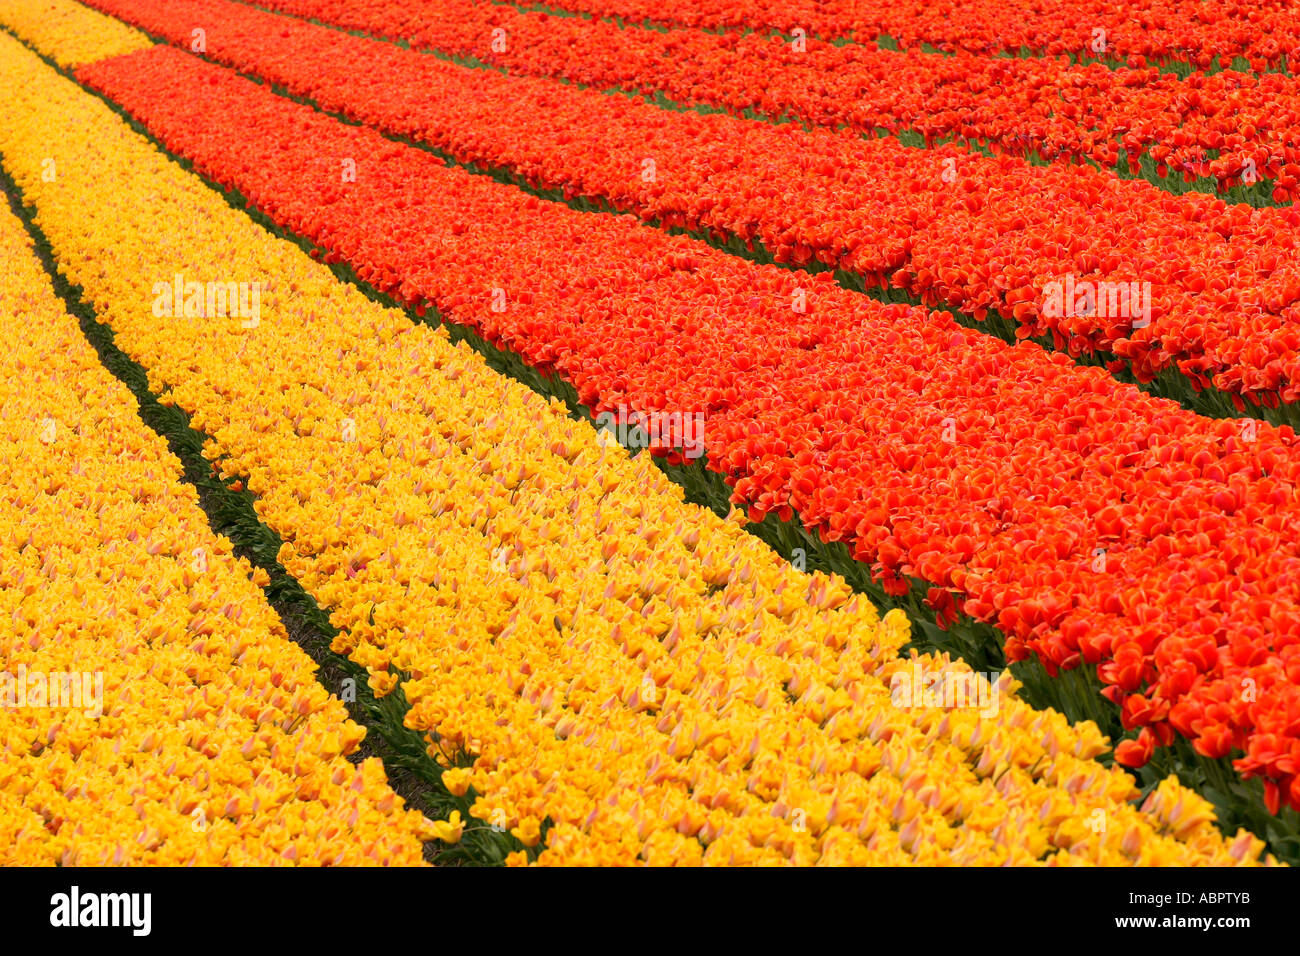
<point>152,708</point>
<point>1163,30</point>
<point>629,677</point>
<point>1092,523</point>
<point>1208,291</point>
<point>1229,128</point>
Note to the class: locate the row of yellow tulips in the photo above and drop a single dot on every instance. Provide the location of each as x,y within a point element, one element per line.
<point>152,707</point>
<point>70,33</point>
<point>606,671</point>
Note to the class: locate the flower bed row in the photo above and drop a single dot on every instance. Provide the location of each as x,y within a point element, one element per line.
<point>1216,286</point>
<point>70,33</point>
<point>152,708</point>
<point>1092,523</point>
<point>629,677</point>
<point>1225,129</point>
<point>1266,33</point>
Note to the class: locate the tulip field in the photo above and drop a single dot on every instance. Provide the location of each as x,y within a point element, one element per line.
<point>606,432</point>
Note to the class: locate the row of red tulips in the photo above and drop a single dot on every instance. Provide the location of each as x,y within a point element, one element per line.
<point>949,227</point>
<point>1227,128</point>
<point>1232,128</point>
<point>1160,29</point>
<point>1094,524</point>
